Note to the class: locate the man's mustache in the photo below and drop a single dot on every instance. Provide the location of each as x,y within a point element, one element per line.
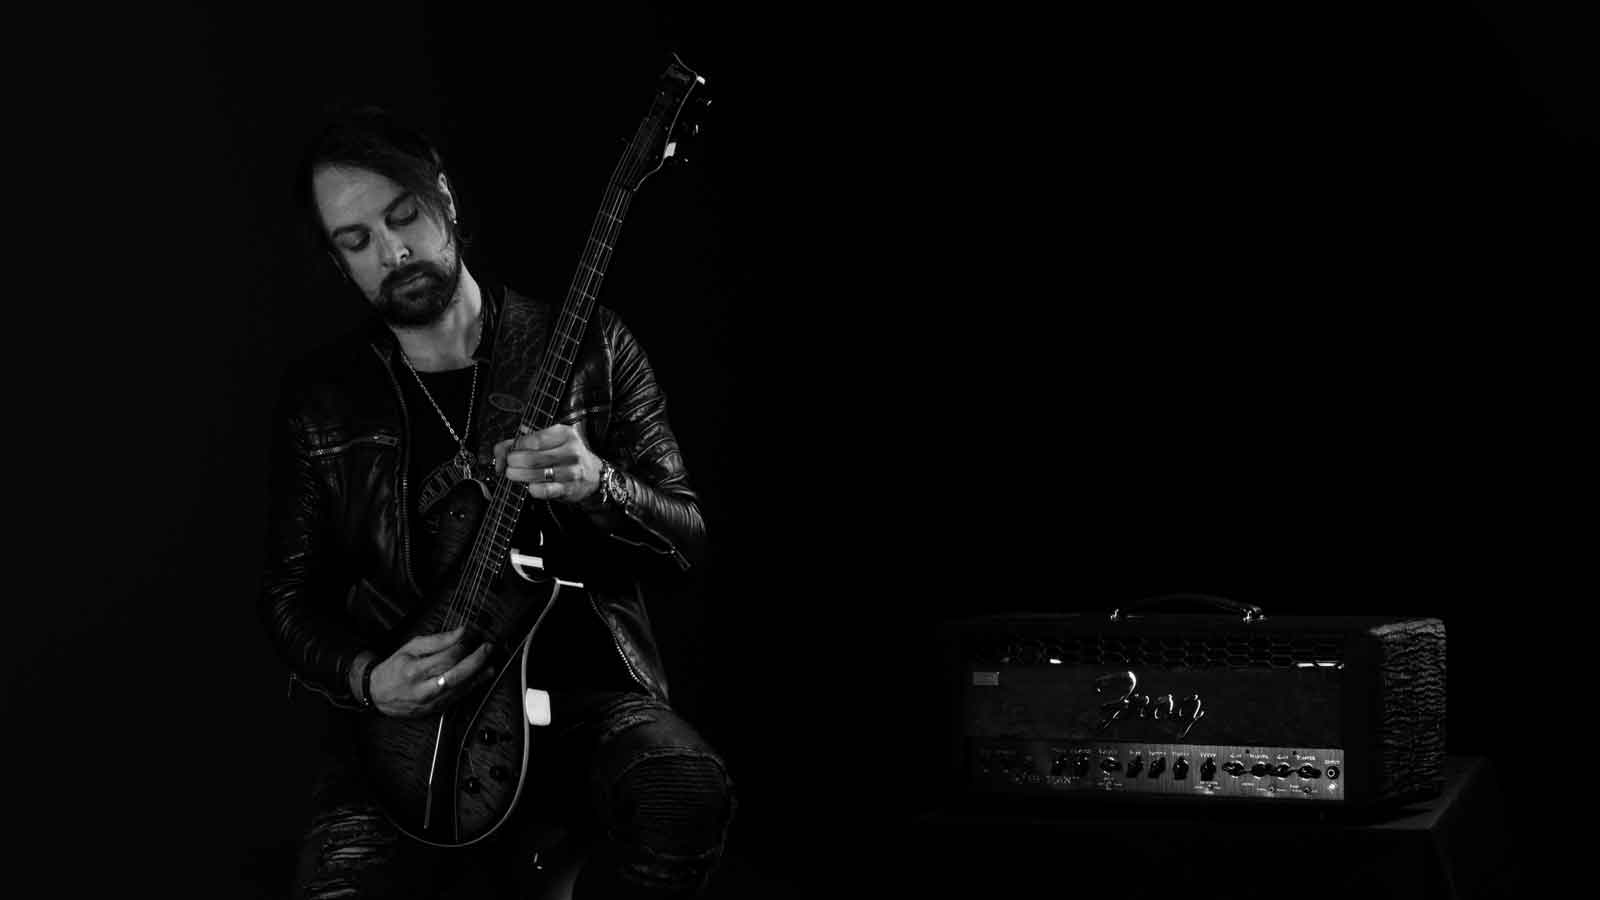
<point>400,276</point>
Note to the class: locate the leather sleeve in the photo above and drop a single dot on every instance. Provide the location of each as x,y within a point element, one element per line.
<point>660,524</point>
<point>297,604</point>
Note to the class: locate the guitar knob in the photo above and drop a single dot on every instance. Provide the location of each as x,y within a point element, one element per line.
<point>472,785</point>
<point>499,773</point>
<point>488,736</point>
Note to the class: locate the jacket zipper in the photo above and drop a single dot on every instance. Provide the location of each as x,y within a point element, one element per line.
<point>380,439</point>
<point>632,673</point>
<point>296,679</point>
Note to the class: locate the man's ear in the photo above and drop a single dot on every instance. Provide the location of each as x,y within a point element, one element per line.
<point>449,198</point>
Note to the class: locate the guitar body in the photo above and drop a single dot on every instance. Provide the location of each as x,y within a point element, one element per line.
<point>452,779</point>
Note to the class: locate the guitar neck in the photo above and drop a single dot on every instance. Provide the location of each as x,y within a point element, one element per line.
<point>653,142</point>
<point>556,370</point>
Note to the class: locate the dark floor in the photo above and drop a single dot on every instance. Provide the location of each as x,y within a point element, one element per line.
<point>740,876</point>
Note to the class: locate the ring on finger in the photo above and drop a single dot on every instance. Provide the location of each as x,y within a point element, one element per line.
<point>440,681</point>
<point>549,473</point>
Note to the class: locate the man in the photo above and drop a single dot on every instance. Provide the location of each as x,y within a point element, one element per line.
<point>369,438</point>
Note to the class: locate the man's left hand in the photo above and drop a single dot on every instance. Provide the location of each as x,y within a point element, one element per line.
<point>554,463</point>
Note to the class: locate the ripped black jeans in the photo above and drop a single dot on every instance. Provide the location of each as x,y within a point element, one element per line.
<point>631,782</point>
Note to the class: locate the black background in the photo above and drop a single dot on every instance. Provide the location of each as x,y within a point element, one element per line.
<point>956,314</point>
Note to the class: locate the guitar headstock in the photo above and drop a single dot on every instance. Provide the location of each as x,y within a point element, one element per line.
<point>676,117</point>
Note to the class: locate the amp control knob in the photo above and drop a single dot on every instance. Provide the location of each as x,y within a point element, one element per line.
<point>1282,770</point>
<point>1080,766</point>
<point>1233,767</point>
<point>1259,769</point>
<point>1136,765</point>
<point>1310,771</point>
<point>1208,769</point>
<point>1110,764</point>
<point>1180,769</point>
<point>1157,766</point>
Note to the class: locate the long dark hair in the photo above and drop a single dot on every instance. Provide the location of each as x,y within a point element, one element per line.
<point>369,137</point>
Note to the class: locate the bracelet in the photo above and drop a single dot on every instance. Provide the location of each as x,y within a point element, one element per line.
<point>605,493</point>
<point>612,490</point>
<point>366,685</point>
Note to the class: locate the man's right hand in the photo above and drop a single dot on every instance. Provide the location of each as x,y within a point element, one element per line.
<point>426,673</point>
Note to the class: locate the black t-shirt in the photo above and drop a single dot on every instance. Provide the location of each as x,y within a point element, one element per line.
<point>432,445</point>
<point>573,648</point>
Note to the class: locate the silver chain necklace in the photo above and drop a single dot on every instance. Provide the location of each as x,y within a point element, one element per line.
<point>463,458</point>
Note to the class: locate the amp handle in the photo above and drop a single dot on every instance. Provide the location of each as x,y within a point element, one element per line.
<point>1248,612</point>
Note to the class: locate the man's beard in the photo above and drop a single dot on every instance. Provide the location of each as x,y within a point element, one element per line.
<point>424,301</point>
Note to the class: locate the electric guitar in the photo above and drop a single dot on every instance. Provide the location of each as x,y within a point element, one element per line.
<point>453,778</point>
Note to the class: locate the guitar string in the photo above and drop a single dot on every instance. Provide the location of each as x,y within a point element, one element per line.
<point>616,199</point>
<point>467,597</point>
<point>498,524</point>
<point>500,520</point>
<point>468,592</point>
<point>484,566</point>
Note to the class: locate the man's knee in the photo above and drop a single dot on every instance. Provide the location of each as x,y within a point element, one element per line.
<point>676,800</point>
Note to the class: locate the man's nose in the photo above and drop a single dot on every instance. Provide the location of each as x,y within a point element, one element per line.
<point>392,250</point>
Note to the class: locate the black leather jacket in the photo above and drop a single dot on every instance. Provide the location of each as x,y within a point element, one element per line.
<point>339,577</point>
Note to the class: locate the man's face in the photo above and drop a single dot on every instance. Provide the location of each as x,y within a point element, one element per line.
<point>404,260</point>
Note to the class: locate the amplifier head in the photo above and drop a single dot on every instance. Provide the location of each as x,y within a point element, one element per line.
<point>1345,711</point>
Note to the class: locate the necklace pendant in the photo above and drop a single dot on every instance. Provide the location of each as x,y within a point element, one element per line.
<point>464,463</point>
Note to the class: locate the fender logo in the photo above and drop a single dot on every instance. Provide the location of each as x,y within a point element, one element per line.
<point>1183,714</point>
